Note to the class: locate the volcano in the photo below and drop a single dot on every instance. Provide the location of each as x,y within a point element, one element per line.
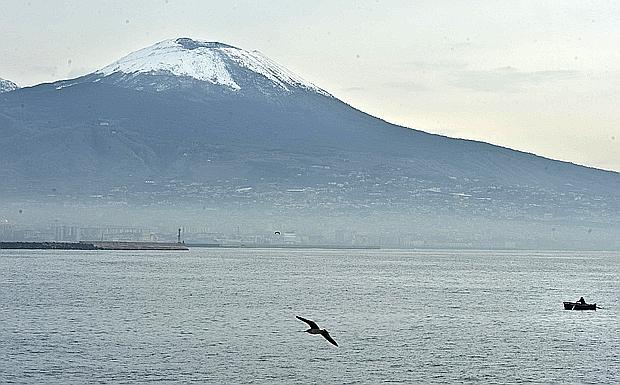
<point>206,122</point>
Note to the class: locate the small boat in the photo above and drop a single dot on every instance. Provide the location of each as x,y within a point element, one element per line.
<point>579,306</point>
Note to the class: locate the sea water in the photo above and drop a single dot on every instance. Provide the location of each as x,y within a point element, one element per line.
<point>227,316</point>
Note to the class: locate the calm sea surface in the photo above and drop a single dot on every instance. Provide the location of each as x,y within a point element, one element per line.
<point>228,317</point>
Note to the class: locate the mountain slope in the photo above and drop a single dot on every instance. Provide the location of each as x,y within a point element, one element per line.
<point>165,134</point>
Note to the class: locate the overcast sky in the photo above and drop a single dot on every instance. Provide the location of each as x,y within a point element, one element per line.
<point>538,76</point>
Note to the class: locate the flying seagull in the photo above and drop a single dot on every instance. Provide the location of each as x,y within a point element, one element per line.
<point>314,329</point>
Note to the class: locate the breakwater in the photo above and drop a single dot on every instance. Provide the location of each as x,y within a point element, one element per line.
<point>48,245</point>
<point>94,245</point>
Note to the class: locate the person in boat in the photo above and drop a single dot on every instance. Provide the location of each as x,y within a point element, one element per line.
<point>581,301</point>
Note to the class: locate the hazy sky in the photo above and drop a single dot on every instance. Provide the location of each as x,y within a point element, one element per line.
<point>542,77</point>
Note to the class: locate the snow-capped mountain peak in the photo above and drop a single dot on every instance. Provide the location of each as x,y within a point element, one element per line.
<point>7,85</point>
<point>212,62</point>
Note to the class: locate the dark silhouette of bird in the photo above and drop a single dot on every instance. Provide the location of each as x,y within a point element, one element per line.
<point>314,329</point>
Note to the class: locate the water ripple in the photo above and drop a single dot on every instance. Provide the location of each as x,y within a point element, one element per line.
<point>228,316</point>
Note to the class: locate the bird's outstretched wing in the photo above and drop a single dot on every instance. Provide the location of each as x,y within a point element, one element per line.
<point>325,334</point>
<point>309,322</point>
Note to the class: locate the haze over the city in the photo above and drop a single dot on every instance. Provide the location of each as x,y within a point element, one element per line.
<point>541,78</point>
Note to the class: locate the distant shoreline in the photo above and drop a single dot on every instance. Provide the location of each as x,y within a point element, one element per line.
<point>114,245</point>
<point>281,246</point>
<point>157,246</point>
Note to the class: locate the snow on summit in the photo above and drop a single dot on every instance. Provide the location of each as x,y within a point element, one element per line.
<point>211,62</point>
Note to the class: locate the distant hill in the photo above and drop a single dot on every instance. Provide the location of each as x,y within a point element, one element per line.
<point>7,85</point>
<point>187,122</point>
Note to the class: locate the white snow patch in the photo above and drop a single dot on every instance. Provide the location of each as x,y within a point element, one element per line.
<point>207,62</point>
<point>65,85</point>
<point>202,64</point>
